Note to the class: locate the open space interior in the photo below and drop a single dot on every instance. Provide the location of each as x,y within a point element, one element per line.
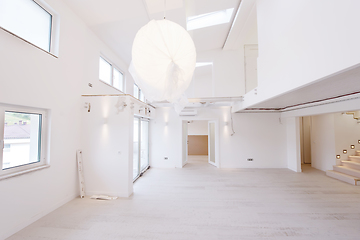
<point>196,119</point>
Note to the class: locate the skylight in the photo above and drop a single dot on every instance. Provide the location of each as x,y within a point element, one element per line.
<point>209,19</point>
<point>201,64</point>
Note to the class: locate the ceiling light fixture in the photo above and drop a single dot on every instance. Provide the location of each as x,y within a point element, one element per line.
<point>163,62</point>
<point>209,19</point>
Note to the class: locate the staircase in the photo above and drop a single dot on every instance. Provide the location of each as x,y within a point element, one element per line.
<point>348,171</point>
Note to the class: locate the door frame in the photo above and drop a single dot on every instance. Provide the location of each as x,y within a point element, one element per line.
<point>217,138</point>
<point>184,143</point>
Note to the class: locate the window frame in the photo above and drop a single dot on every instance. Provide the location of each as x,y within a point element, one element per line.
<point>113,68</point>
<point>44,160</point>
<point>54,29</point>
<point>140,92</point>
<point>141,170</point>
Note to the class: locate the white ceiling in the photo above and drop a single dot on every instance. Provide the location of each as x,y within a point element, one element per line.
<point>116,22</point>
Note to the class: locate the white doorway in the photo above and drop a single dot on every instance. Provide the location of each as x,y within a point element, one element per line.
<point>184,143</point>
<point>305,139</point>
<point>211,143</point>
<point>201,140</point>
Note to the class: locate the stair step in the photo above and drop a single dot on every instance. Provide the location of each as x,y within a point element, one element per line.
<point>343,177</point>
<point>351,164</point>
<point>355,158</point>
<point>347,170</point>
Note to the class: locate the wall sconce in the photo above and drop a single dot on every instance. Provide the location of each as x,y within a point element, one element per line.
<point>87,106</point>
<point>337,156</point>
<point>90,85</point>
<point>226,123</point>
<point>345,151</point>
<point>352,146</point>
<point>166,123</point>
<point>105,121</point>
<point>358,141</point>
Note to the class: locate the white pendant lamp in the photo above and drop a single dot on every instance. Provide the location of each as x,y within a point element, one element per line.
<point>163,61</point>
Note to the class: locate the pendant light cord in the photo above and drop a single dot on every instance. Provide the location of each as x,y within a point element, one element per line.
<point>164,9</point>
<point>232,122</point>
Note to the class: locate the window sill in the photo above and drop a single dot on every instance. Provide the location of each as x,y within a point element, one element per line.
<point>28,42</point>
<point>10,175</point>
<point>111,86</point>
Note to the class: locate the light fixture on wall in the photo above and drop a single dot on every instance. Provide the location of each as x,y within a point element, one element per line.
<point>345,151</point>
<point>163,62</point>
<point>352,146</point>
<point>358,141</point>
<point>337,156</point>
<point>226,123</point>
<point>87,106</point>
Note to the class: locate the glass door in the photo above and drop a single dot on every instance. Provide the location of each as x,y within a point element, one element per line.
<point>136,145</point>
<point>141,146</point>
<point>144,146</point>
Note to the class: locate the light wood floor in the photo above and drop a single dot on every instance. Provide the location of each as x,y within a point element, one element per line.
<point>202,202</point>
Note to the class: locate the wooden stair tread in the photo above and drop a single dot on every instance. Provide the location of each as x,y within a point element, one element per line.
<point>343,174</point>
<point>348,169</point>
<point>343,177</point>
<point>351,162</point>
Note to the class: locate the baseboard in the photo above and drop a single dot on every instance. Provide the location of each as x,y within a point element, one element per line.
<point>36,217</point>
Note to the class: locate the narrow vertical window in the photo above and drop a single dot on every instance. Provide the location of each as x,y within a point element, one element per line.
<point>118,80</point>
<point>136,91</point>
<point>105,69</point>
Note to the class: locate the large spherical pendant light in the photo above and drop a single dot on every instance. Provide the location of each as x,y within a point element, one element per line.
<point>163,60</point>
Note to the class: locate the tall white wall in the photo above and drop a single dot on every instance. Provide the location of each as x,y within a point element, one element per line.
<point>227,75</point>
<point>107,146</point>
<point>293,144</point>
<point>30,77</point>
<point>258,136</point>
<point>323,142</point>
<point>301,42</point>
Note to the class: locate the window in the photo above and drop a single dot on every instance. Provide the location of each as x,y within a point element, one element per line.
<point>22,137</point>
<point>209,19</point>
<point>140,146</point>
<point>111,75</point>
<point>27,20</point>
<point>138,93</point>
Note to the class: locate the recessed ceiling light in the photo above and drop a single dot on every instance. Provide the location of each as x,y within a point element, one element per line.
<point>209,19</point>
<point>201,64</point>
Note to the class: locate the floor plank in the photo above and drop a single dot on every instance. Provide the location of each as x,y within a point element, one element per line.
<point>203,202</point>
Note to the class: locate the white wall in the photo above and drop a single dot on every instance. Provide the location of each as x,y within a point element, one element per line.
<point>301,42</point>
<point>293,143</point>
<point>323,142</point>
<point>30,77</point>
<point>107,147</point>
<point>198,128</point>
<point>258,136</point>
<point>228,76</point>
